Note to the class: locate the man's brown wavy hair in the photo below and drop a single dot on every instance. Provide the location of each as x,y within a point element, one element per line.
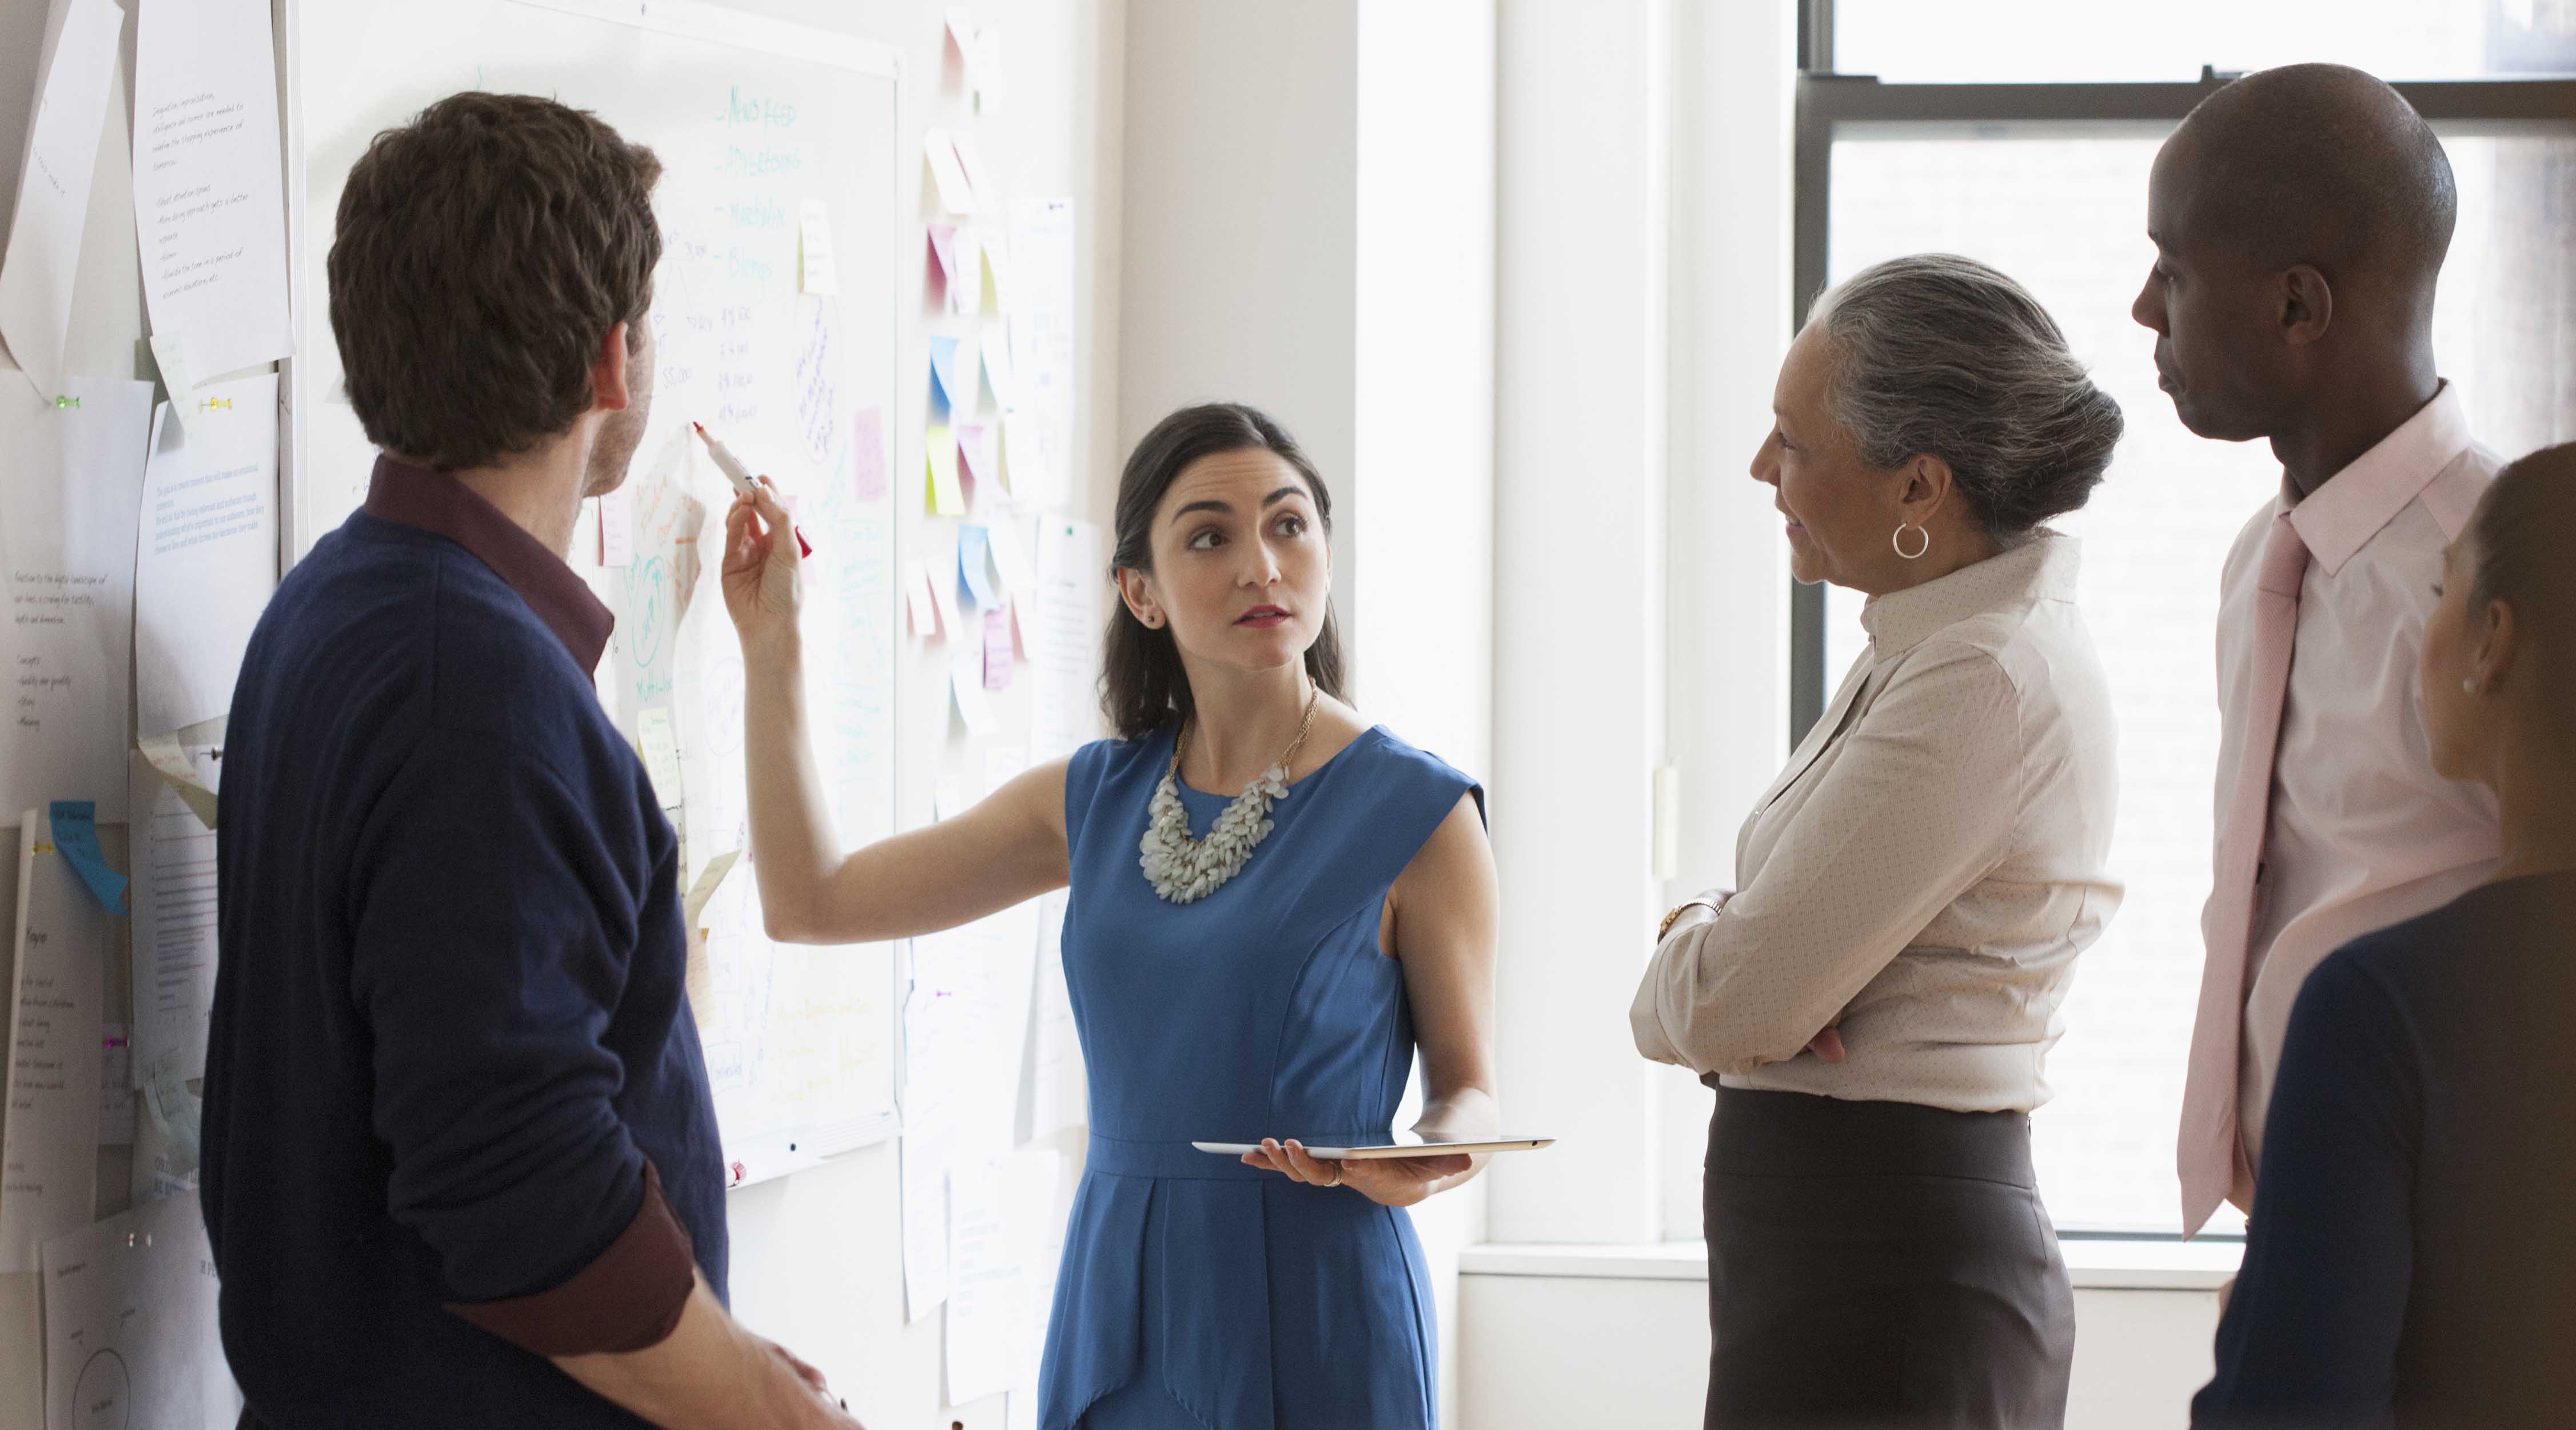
<point>483,253</point>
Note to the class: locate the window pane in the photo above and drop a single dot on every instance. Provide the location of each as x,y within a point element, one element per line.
<point>2065,216</point>
<point>2042,40</point>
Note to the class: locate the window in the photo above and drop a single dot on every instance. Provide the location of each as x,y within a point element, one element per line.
<point>2048,183</point>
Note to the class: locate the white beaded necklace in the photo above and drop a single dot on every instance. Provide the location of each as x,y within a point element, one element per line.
<point>1185,870</point>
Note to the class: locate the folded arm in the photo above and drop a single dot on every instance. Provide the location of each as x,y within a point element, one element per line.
<point>1911,813</point>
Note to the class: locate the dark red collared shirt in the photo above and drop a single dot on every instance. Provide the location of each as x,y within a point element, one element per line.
<point>437,502</point>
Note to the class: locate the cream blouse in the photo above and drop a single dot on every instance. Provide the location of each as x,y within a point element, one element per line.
<point>1928,865</point>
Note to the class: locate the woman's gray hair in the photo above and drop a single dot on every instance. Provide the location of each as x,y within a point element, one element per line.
<point>1943,355</point>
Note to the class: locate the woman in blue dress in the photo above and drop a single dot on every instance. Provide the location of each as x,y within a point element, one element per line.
<point>1274,905</point>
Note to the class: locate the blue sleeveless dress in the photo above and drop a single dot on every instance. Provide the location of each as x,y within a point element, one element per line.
<point>1197,1293</point>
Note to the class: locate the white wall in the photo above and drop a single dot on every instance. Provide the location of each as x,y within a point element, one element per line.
<point>1727,683</point>
<point>1583,186</point>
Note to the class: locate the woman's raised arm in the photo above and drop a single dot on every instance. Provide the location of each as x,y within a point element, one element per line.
<point>1005,850</point>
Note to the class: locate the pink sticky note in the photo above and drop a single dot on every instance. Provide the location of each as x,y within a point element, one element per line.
<point>997,649</point>
<point>943,265</point>
<point>980,447</point>
<point>867,453</point>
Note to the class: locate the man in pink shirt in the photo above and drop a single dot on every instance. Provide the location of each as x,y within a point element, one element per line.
<point>2300,217</point>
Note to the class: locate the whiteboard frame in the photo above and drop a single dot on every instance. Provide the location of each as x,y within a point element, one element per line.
<point>775,1154</point>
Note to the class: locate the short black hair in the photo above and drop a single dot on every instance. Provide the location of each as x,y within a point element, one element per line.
<point>2322,165</point>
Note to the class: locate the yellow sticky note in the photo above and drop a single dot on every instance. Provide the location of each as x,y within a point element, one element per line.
<point>947,496</point>
<point>658,742</point>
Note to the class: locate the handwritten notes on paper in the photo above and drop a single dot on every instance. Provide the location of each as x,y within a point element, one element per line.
<point>209,212</point>
<point>1042,352</point>
<point>43,257</point>
<point>174,921</point>
<point>70,482</point>
<point>1068,592</point>
<point>205,551</point>
<point>130,1331</point>
<point>49,1127</point>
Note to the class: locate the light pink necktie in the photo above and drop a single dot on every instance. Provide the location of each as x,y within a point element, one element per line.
<point>2208,1154</point>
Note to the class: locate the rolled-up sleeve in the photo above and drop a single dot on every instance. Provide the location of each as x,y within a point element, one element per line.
<point>493,936</point>
<point>1918,807</point>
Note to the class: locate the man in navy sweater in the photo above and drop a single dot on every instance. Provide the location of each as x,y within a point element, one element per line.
<point>460,1163</point>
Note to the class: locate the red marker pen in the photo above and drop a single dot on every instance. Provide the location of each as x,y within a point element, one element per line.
<point>740,475</point>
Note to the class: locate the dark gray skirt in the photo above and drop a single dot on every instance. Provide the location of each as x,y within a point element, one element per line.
<point>1880,1264</point>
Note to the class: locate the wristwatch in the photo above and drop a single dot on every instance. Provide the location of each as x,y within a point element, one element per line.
<point>1701,901</point>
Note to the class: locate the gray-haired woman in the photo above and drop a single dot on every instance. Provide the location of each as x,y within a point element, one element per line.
<point>1874,999</point>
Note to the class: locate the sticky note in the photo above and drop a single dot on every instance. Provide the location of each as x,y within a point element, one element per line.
<point>980,446</point>
<point>966,685</point>
<point>171,762</point>
<point>999,294</point>
<point>942,583</point>
<point>75,824</point>
<point>1011,566</point>
<point>995,349</point>
<point>617,528</point>
<point>1019,630</point>
<point>973,567</point>
<point>947,175</point>
<point>953,369</point>
<point>817,271</point>
<point>920,610</point>
<point>966,286</point>
<point>947,498</point>
<point>867,455</point>
<point>997,650</point>
<point>970,164</point>
<point>709,879</point>
<point>943,260</point>
<point>656,740</point>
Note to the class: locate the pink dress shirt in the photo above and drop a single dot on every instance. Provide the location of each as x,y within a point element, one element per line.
<point>2362,833</point>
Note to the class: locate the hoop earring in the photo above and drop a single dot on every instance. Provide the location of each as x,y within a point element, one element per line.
<point>1898,541</point>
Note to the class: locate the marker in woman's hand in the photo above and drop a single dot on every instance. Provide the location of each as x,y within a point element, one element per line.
<point>740,475</point>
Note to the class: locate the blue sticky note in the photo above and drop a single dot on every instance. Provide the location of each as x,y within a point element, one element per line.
<point>944,372</point>
<point>953,374</point>
<point>76,838</point>
<point>973,567</point>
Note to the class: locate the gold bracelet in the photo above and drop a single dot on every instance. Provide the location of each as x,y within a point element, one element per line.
<point>1664,930</point>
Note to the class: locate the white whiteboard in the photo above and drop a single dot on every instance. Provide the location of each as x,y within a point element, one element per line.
<point>752,120</point>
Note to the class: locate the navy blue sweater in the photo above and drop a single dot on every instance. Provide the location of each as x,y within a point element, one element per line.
<point>456,1112</point>
<point>2412,1255</point>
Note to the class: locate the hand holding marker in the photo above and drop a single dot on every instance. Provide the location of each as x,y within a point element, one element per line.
<point>740,475</point>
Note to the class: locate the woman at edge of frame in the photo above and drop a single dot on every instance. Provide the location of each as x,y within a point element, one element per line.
<point>1274,904</point>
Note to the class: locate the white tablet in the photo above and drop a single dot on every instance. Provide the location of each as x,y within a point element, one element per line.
<point>1406,1144</point>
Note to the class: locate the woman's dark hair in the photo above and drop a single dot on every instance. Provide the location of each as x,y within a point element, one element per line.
<point>1942,354</point>
<point>2525,525</point>
<point>1142,685</point>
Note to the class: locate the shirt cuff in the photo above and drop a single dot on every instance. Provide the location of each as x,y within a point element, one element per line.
<point>629,1298</point>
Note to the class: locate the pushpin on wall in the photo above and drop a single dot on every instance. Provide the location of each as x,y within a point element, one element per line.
<point>67,402</point>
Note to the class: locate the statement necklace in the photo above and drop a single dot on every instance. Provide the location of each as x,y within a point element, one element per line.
<point>1185,870</point>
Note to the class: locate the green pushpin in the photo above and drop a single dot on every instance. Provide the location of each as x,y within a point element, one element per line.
<point>67,402</point>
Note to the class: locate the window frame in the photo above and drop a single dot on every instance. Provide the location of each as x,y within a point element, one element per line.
<point>1827,102</point>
